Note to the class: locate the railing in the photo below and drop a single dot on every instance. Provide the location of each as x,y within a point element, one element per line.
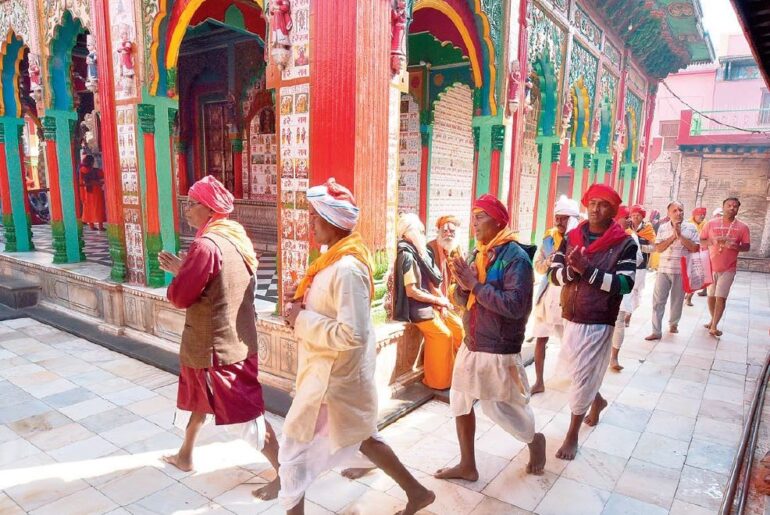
<point>733,121</point>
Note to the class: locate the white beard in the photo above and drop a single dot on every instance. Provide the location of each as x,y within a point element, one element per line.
<point>447,244</point>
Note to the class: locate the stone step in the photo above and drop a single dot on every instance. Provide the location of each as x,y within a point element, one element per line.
<point>18,293</point>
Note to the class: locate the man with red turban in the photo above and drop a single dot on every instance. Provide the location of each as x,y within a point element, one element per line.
<point>215,284</point>
<point>595,266</point>
<point>495,285</point>
<point>646,240</point>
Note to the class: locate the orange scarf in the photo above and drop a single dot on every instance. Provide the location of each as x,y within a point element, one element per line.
<point>646,233</point>
<point>234,232</point>
<point>352,245</point>
<point>483,256</point>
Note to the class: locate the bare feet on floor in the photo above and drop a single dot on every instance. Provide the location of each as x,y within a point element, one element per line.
<point>673,329</point>
<point>459,471</point>
<point>707,326</point>
<point>176,461</point>
<point>536,455</point>
<point>715,332</point>
<point>593,414</point>
<point>615,365</point>
<point>652,337</point>
<point>568,450</point>
<point>538,387</point>
<point>269,491</point>
<point>355,473</point>
<point>418,502</point>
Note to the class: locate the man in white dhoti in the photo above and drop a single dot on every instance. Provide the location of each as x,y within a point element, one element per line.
<point>547,298</point>
<point>495,286</point>
<point>630,300</point>
<point>595,266</point>
<point>333,418</point>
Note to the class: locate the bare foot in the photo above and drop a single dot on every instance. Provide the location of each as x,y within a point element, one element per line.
<point>628,320</point>
<point>568,450</point>
<point>652,337</point>
<point>175,460</point>
<point>614,365</point>
<point>356,473</point>
<point>538,387</point>
<point>707,326</point>
<point>419,502</point>
<point>715,332</point>
<point>673,329</point>
<point>593,414</point>
<point>536,455</point>
<point>459,471</point>
<point>269,491</point>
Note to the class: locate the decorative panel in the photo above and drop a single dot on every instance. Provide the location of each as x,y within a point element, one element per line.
<point>131,205</point>
<point>125,58</point>
<point>613,53</point>
<point>583,64</point>
<point>451,174</point>
<point>14,14</point>
<point>260,169</point>
<point>299,62</point>
<point>546,38</point>
<point>410,153</point>
<point>588,28</point>
<point>150,9</point>
<point>636,80</point>
<point>494,12</point>
<point>54,11</point>
<point>530,166</point>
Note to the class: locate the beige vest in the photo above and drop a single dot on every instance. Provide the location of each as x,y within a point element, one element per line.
<point>221,328</point>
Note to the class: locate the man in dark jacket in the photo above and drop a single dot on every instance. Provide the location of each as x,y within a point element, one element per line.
<point>595,265</point>
<point>495,286</point>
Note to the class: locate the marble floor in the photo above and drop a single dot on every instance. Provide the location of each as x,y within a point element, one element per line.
<point>82,430</point>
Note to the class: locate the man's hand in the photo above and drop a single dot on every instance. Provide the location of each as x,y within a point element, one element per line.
<point>289,292</point>
<point>292,312</point>
<point>466,275</point>
<point>576,260</point>
<point>677,226</point>
<point>169,262</point>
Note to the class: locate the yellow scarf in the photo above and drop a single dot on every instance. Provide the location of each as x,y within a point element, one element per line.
<point>482,257</point>
<point>647,233</point>
<point>352,245</point>
<point>698,225</point>
<point>554,233</point>
<point>234,232</point>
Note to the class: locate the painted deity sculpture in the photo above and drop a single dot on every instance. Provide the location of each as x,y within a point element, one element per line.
<point>126,51</point>
<point>514,79</point>
<point>281,24</point>
<point>397,36</point>
<point>91,62</point>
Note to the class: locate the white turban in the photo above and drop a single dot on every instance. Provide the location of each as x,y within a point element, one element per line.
<point>717,212</point>
<point>335,204</point>
<point>408,222</point>
<point>566,207</point>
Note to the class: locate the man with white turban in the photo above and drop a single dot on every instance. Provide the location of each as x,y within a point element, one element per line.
<point>215,284</point>
<point>417,298</point>
<point>332,421</point>
<point>548,321</point>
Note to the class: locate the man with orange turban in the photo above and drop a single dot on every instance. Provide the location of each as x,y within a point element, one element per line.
<point>495,285</point>
<point>646,240</point>
<point>444,247</point>
<point>698,219</point>
<point>215,284</point>
<point>595,266</point>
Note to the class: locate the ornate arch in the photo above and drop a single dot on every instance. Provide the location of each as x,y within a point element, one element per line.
<point>548,84</point>
<point>12,51</point>
<point>60,61</point>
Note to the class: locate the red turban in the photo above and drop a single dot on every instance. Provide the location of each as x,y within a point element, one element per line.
<point>604,192</point>
<point>699,211</point>
<point>493,207</point>
<point>638,208</point>
<point>623,213</point>
<point>448,219</point>
<point>212,194</point>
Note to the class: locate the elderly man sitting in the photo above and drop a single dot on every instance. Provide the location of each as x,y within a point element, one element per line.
<point>417,298</point>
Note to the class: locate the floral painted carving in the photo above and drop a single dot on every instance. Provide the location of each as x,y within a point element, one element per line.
<point>150,9</point>
<point>398,18</point>
<point>14,15</point>
<point>587,27</point>
<point>583,64</point>
<point>54,10</point>
<point>546,38</point>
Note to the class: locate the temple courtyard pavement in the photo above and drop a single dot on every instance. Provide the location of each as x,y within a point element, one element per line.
<point>82,430</point>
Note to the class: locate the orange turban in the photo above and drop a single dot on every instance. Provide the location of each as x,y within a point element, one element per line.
<point>447,219</point>
<point>603,192</point>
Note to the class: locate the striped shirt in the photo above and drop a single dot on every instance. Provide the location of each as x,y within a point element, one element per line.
<point>671,259</point>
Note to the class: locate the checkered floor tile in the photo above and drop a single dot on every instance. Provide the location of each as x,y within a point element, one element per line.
<point>97,251</point>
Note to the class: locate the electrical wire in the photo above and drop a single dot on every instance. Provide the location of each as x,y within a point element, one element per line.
<point>700,113</point>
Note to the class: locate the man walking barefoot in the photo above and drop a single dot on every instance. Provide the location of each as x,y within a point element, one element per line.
<point>595,266</point>
<point>496,288</point>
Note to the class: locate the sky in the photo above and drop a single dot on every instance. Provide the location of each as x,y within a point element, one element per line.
<point>719,19</point>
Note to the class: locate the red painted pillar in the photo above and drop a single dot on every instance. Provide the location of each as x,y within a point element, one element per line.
<point>5,187</point>
<point>519,121</point>
<point>631,192</point>
<point>645,163</point>
<point>181,167</point>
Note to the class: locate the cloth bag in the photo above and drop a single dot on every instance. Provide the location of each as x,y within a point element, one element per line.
<point>696,271</point>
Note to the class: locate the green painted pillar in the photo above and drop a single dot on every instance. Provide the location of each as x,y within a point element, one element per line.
<point>548,148</point>
<point>627,174</point>
<point>426,138</point>
<point>497,137</point>
<point>578,156</point>
<point>64,122</point>
<point>602,165</point>
<point>18,226</point>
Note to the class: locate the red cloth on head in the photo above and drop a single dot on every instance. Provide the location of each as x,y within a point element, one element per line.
<point>611,237</point>
<point>623,213</point>
<point>638,208</point>
<point>699,211</point>
<point>604,192</point>
<point>212,194</point>
<point>493,207</point>
<point>339,192</point>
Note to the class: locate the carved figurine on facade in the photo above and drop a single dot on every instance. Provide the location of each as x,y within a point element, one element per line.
<point>566,116</point>
<point>280,24</point>
<point>126,52</point>
<point>514,81</point>
<point>619,146</point>
<point>35,82</point>
<point>397,36</point>
<point>91,64</point>
<point>529,84</point>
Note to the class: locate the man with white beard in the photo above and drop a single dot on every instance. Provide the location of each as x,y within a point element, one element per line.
<point>417,298</point>
<point>444,248</point>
